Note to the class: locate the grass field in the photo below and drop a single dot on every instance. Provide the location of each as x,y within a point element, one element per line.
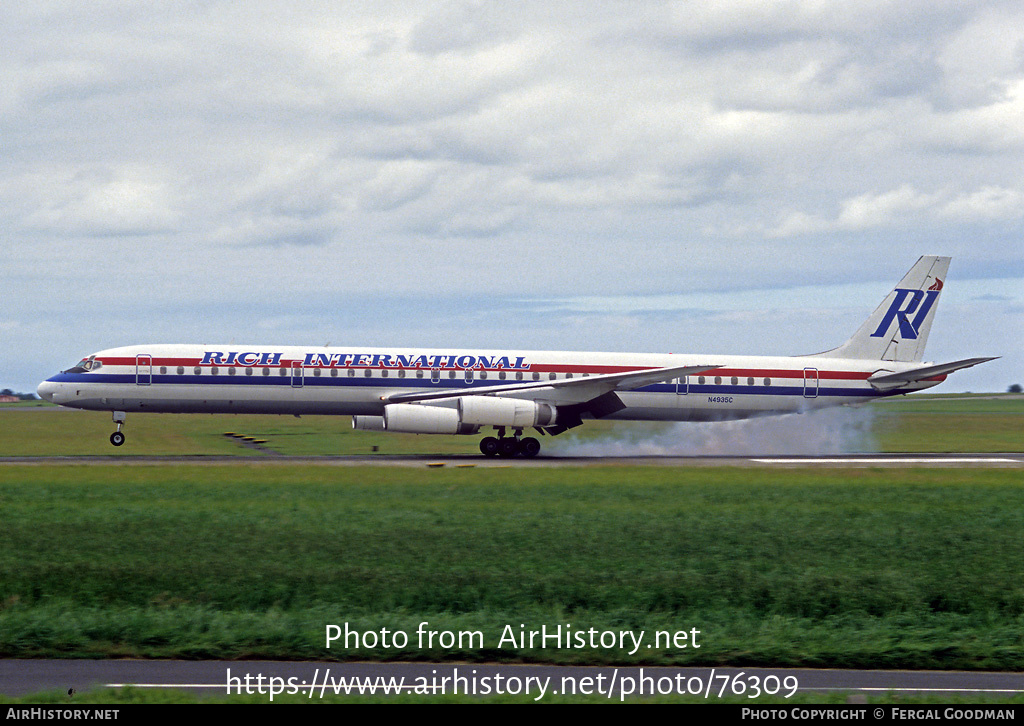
<point>911,424</point>
<point>85,433</point>
<point>950,424</point>
<point>907,569</point>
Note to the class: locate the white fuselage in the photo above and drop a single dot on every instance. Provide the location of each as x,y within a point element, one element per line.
<point>358,381</point>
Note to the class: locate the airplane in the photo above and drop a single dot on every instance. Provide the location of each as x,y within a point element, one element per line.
<point>443,391</point>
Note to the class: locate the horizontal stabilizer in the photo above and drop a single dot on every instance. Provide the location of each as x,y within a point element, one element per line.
<point>890,381</point>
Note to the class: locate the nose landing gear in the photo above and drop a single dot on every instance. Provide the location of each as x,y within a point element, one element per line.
<point>117,438</point>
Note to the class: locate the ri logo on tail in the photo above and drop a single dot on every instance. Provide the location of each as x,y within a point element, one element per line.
<point>898,329</point>
<point>906,303</point>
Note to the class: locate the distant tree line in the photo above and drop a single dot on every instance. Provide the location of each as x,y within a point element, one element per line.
<point>19,396</point>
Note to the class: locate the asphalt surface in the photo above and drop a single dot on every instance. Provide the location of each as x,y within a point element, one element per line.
<point>842,460</point>
<point>314,679</point>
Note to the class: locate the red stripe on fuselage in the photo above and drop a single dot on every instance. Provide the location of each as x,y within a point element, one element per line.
<point>786,373</point>
<point>536,367</point>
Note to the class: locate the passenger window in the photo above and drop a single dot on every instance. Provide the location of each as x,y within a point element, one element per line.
<point>266,371</point>
<point>197,370</point>
<point>735,380</point>
<point>248,371</point>
<point>750,381</point>
<point>163,370</point>
<point>767,381</point>
<point>181,370</point>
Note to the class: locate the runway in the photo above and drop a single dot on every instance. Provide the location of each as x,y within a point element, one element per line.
<point>930,460</point>
<point>320,679</point>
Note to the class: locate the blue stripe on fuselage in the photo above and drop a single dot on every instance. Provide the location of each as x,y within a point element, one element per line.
<point>445,383</point>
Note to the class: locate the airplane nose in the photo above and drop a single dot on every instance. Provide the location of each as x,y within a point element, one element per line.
<point>47,390</point>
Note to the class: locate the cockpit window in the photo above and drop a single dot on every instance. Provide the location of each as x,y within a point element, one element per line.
<point>85,365</point>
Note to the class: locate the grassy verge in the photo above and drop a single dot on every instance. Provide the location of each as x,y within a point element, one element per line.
<point>865,568</point>
<point>85,433</point>
<point>950,424</point>
<point>911,424</point>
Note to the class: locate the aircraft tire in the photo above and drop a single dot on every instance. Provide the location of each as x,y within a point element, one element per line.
<point>529,447</point>
<point>508,447</point>
<point>489,446</point>
<point>117,438</point>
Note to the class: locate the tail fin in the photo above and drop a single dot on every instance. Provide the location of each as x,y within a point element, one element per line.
<point>899,327</point>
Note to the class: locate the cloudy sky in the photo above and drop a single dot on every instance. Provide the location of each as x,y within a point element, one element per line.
<point>731,177</point>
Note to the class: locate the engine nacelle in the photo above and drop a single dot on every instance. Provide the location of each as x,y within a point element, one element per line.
<point>368,423</point>
<point>410,418</point>
<point>512,412</point>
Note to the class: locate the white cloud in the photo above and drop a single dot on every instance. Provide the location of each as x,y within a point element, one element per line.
<point>872,210</point>
<point>982,58</point>
<point>217,155</point>
<point>100,202</point>
<point>988,203</point>
<point>905,204</point>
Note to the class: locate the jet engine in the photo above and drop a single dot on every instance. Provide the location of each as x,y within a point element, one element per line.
<point>368,423</point>
<point>511,412</point>
<point>469,414</point>
<point>411,418</point>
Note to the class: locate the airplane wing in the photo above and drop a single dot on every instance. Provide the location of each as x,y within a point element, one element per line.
<point>890,381</point>
<point>566,390</point>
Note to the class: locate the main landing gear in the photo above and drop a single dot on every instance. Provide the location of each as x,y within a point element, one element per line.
<point>509,446</point>
<point>117,438</point>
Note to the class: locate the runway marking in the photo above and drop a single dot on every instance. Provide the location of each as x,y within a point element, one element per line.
<point>892,460</point>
